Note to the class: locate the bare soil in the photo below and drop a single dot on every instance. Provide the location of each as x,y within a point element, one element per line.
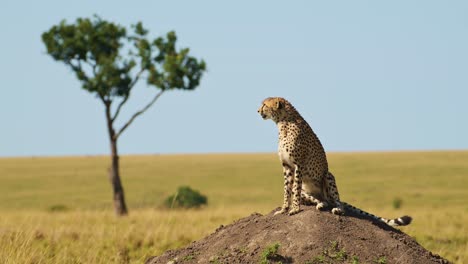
<point>310,236</point>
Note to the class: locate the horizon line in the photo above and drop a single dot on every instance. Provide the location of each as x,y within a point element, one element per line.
<point>229,153</point>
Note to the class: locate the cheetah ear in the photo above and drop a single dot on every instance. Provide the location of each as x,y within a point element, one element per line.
<point>279,104</point>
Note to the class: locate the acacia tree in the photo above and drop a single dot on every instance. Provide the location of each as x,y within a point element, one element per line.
<point>110,60</point>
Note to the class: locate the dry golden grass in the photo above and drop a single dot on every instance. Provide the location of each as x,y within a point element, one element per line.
<point>58,210</point>
<point>100,237</point>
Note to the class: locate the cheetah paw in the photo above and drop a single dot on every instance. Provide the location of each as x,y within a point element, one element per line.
<point>320,206</point>
<point>337,211</point>
<point>282,211</point>
<point>294,211</point>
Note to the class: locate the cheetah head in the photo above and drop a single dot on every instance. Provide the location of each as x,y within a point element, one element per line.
<point>272,108</point>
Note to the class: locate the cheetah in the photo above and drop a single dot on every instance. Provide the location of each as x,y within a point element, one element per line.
<point>305,167</point>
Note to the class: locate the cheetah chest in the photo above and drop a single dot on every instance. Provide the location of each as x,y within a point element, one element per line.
<point>285,152</point>
<point>286,145</point>
<point>285,156</point>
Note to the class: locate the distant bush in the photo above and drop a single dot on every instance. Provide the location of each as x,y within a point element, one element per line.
<point>185,197</point>
<point>397,202</point>
<point>57,208</point>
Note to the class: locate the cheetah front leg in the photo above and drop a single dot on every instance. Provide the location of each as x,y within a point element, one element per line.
<point>288,181</point>
<point>297,189</point>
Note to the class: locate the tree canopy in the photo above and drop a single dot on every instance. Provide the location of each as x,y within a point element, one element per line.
<point>109,62</point>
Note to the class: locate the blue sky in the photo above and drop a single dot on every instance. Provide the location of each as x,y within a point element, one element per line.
<point>367,76</point>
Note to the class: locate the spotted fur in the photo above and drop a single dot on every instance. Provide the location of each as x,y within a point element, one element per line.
<point>307,179</point>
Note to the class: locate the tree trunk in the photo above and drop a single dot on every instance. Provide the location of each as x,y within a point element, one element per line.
<point>114,171</point>
<point>114,177</point>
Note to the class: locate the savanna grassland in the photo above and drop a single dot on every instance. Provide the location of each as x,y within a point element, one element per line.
<point>58,210</point>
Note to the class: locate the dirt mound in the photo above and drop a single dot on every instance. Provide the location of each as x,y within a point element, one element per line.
<point>307,237</point>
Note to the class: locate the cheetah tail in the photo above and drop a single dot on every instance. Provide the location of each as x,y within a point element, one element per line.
<point>400,221</point>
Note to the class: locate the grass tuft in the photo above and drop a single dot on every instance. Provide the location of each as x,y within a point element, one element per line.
<point>269,253</point>
<point>381,260</point>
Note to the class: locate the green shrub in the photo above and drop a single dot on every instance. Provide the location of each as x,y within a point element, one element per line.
<point>185,197</point>
<point>57,208</point>
<point>270,252</point>
<point>381,260</point>
<point>397,202</point>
